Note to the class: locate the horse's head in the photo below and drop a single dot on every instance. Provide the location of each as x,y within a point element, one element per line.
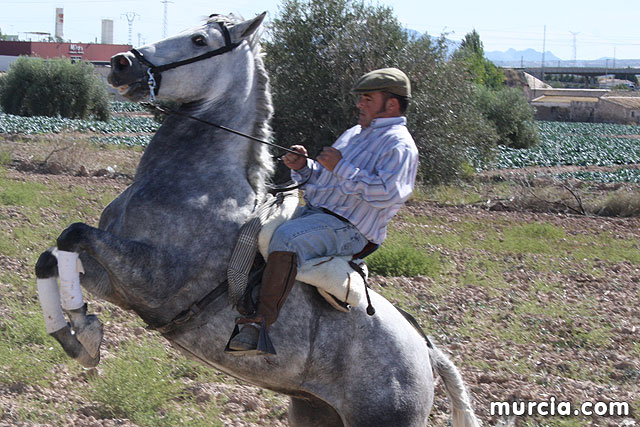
<point>198,63</point>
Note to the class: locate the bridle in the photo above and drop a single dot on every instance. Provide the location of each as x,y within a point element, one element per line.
<point>154,71</point>
<point>155,77</point>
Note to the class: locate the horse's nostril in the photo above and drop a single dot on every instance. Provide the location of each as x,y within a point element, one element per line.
<point>123,61</point>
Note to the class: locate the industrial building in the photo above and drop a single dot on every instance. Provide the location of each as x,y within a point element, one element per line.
<point>98,54</point>
<point>577,105</point>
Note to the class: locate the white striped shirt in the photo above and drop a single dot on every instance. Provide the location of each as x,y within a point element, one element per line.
<point>373,179</point>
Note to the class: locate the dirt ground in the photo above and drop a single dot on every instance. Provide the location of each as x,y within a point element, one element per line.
<point>617,300</point>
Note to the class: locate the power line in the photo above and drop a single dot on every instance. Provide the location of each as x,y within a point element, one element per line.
<point>165,22</point>
<point>131,16</point>
<point>575,50</point>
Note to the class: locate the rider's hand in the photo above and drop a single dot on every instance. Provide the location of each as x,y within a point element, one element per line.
<point>293,161</point>
<point>329,157</point>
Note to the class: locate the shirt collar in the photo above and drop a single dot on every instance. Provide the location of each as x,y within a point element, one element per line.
<point>388,121</point>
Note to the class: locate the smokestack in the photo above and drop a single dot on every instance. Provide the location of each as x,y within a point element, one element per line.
<point>107,31</point>
<point>59,22</point>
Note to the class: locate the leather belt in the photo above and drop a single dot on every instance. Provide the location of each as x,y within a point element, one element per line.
<point>369,248</point>
<point>340,217</point>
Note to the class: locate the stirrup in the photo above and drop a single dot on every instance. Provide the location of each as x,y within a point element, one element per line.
<point>264,345</point>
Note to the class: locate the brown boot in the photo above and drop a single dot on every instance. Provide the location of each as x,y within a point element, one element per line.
<point>277,280</point>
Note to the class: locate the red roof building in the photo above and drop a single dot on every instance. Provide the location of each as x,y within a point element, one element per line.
<point>99,54</point>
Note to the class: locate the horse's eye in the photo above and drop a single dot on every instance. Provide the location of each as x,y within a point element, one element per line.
<point>199,40</point>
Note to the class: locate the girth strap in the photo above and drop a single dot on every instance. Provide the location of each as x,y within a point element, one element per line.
<point>194,310</point>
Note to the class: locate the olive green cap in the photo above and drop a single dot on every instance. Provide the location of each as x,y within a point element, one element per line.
<point>384,80</point>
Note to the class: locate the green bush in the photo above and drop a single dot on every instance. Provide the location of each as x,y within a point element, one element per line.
<point>508,110</point>
<point>621,204</point>
<point>317,49</point>
<point>54,87</point>
<point>394,260</point>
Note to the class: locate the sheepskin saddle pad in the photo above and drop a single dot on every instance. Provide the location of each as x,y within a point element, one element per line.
<point>335,279</point>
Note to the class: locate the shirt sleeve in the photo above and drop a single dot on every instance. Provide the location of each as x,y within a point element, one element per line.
<point>390,183</point>
<point>306,173</point>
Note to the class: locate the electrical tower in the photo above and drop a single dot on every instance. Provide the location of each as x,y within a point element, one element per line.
<point>131,16</point>
<point>574,47</point>
<point>544,48</point>
<point>165,23</point>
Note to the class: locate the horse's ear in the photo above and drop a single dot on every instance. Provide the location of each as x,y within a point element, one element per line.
<point>244,29</point>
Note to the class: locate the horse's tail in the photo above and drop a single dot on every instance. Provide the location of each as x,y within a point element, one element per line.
<point>462,413</point>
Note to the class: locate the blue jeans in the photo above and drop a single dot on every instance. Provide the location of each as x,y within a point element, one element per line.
<point>312,233</point>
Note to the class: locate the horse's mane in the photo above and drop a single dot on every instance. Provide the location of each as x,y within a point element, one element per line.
<point>260,165</point>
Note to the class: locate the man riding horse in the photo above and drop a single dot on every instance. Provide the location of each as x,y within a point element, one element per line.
<point>352,190</point>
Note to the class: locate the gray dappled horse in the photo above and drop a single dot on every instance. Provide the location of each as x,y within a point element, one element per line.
<point>164,243</point>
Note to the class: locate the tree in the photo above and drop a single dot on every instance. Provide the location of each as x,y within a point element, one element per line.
<point>54,87</point>
<point>318,48</point>
<point>450,131</point>
<point>505,108</point>
<point>482,71</point>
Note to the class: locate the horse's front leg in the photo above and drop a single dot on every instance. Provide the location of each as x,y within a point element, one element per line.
<point>108,262</point>
<point>84,344</point>
<point>135,269</point>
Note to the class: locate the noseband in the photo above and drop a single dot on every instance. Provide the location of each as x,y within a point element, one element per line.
<point>154,71</point>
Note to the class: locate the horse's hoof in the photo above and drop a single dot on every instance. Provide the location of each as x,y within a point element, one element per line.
<point>71,238</point>
<point>88,330</point>
<point>74,349</point>
<point>47,265</point>
<point>90,336</point>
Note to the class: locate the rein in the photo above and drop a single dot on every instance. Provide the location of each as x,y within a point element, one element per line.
<point>169,111</point>
<point>271,189</point>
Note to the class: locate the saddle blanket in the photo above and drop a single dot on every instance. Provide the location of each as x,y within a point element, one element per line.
<point>331,275</point>
<point>336,280</point>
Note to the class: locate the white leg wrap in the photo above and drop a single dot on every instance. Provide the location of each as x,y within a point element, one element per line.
<point>69,273</point>
<point>49,297</point>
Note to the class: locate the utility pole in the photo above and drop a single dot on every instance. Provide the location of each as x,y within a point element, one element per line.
<point>544,47</point>
<point>165,23</point>
<point>574,47</point>
<point>131,16</point>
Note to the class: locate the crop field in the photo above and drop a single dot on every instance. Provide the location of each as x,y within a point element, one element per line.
<point>581,144</point>
<point>532,306</point>
<point>120,130</point>
<point>562,144</point>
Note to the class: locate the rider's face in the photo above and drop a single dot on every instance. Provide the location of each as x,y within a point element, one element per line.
<point>372,106</point>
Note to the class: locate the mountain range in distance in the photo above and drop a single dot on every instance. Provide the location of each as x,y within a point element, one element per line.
<point>518,55</point>
<point>533,58</point>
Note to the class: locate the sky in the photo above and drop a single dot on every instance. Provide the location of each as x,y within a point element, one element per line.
<point>570,29</point>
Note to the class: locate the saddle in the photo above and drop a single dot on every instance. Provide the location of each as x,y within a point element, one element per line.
<point>340,280</point>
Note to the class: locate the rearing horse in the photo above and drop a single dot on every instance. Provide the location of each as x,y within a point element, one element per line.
<point>165,242</point>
